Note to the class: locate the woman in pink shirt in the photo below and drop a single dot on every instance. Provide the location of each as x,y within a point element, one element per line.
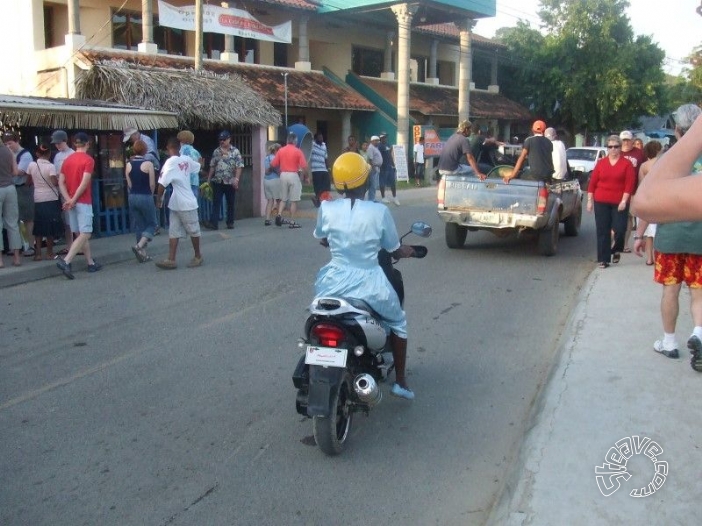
<point>48,221</point>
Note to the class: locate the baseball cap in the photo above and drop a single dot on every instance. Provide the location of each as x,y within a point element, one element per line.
<point>538,126</point>
<point>128,132</point>
<point>375,138</point>
<point>626,135</point>
<point>224,135</point>
<point>59,136</point>
<point>383,134</point>
<point>81,138</point>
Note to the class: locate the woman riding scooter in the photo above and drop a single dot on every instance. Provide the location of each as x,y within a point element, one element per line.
<point>355,231</point>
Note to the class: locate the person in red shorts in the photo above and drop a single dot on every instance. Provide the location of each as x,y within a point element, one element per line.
<point>678,259</point>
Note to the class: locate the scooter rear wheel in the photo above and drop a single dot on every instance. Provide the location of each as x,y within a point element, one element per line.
<point>331,432</point>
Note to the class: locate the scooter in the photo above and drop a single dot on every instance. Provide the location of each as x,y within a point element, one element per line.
<point>346,353</point>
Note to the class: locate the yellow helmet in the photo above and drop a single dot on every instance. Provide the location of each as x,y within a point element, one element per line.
<point>350,171</point>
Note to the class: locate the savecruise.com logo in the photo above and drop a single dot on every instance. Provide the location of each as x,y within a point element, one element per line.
<point>610,474</point>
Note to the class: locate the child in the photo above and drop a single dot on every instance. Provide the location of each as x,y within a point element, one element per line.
<point>182,205</point>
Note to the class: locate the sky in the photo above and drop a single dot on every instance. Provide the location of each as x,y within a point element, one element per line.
<point>673,24</point>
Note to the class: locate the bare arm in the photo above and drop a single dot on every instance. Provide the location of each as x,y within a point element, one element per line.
<point>517,166</point>
<point>667,194</point>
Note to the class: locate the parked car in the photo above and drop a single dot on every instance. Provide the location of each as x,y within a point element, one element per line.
<point>582,161</point>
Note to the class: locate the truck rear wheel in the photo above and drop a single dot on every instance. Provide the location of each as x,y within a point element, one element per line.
<point>455,235</point>
<point>548,239</point>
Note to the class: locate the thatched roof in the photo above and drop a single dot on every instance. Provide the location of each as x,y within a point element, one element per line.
<point>73,114</point>
<point>201,99</point>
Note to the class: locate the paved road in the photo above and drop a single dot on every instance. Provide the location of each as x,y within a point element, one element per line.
<point>139,396</point>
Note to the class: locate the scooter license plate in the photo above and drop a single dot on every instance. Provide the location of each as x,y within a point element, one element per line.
<point>326,356</point>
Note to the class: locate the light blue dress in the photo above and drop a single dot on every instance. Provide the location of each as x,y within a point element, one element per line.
<point>355,237</point>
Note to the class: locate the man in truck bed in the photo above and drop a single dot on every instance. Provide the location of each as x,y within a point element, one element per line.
<point>539,150</point>
<point>456,149</point>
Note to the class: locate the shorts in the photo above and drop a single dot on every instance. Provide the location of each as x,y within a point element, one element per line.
<point>650,230</point>
<point>271,188</point>
<point>80,218</point>
<point>290,186</point>
<point>25,202</point>
<point>672,269</point>
<point>182,223</point>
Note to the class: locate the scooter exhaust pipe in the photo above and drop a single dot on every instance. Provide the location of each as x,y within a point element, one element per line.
<point>367,389</point>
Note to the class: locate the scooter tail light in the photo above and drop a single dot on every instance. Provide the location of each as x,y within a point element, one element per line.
<point>328,335</point>
<point>542,200</point>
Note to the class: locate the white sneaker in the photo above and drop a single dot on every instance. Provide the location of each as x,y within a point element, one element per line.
<point>385,200</point>
<point>671,351</point>
<point>396,201</point>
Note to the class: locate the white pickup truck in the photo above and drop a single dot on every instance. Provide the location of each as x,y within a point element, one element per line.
<point>465,203</point>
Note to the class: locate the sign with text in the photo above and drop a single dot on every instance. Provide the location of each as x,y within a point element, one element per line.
<point>400,156</point>
<point>226,21</point>
<point>432,142</point>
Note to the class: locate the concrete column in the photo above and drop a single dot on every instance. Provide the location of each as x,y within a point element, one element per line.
<point>388,72</point>
<point>345,127</point>
<point>229,54</point>
<point>464,70</point>
<point>303,46</point>
<point>506,127</point>
<point>432,74</point>
<point>73,17</point>
<point>199,15</point>
<point>404,14</point>
<point>147,28</point>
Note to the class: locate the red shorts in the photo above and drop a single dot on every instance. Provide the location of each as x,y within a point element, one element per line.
<point>672,269</point>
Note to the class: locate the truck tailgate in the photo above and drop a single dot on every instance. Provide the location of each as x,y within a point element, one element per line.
<point>492,195</point>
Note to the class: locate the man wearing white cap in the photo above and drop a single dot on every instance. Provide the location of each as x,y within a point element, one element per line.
<point>132,134</point>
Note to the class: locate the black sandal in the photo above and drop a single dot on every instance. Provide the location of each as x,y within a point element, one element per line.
<point>615,257</point>
<point>603,265</point>
<point>293,224</point>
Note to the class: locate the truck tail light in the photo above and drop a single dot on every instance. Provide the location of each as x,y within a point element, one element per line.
<point>442,192</point>
<point>542,200</point>
<point>328,335</point>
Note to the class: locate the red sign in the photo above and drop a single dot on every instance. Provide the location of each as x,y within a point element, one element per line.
<point>432,143</point>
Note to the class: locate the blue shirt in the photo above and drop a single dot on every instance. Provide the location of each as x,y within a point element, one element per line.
<point>187,149</point>
<point>275,172</point>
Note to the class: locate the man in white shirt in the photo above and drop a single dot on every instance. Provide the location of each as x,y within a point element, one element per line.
<point>60,140</point>
<point>419,161</point>
<point>182,204</point>
<point>560,162</point>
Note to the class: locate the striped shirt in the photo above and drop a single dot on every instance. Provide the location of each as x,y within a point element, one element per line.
<point>318,158</point>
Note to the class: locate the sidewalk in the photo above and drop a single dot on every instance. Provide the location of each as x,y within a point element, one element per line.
<point>116,249</point>
<point>609,384</point>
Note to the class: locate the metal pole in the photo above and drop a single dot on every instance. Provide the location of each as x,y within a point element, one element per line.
<point>198,34</point>
<point>285,81</point>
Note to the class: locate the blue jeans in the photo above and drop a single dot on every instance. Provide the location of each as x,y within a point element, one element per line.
<point>372,184</point>
<point>142,215</point>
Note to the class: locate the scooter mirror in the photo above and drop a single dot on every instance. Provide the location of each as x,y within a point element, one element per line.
<point>421,229</point>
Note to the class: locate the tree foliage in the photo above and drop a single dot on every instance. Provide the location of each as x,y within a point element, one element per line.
<point>585,70</point>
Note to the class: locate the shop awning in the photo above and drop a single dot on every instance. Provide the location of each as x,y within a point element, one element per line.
<point>436,101</point>
<point>76,114</point>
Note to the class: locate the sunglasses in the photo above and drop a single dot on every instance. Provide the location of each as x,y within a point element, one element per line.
<point>615,146</point>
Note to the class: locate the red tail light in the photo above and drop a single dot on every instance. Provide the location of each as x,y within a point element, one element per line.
<point>543,199</point>
<point>328,335</point>
<point>442,192</point>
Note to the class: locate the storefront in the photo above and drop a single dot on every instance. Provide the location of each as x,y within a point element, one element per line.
<point>35,118</point>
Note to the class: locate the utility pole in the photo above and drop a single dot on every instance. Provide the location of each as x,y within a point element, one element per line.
<point>198,35</point>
